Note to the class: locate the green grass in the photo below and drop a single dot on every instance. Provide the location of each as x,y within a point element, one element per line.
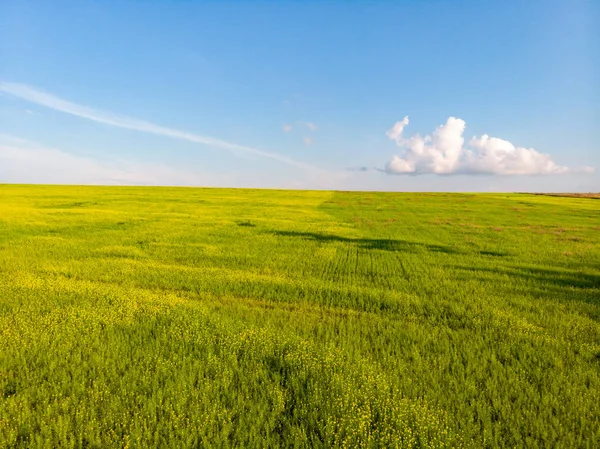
<point>155,317</point>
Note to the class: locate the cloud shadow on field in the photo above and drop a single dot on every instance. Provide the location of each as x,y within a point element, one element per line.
<point>246,223</point>
<point>563,278</point>
<point>493,253</point>
<point>560,278</point>
<point>365,243</point>
<point>556,284</point>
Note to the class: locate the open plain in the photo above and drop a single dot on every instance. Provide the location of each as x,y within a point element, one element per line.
<point>184,317</point>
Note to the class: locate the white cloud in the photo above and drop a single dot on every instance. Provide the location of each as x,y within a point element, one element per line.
<point>397,129</point>
<point>36,96</point>
<point>444,153</point>
<point>307,141</point>
<point>286,128</point>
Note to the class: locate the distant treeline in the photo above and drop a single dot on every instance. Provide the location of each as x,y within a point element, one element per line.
<point>595,196</point>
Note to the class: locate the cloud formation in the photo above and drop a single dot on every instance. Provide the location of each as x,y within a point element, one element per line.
<point>307,141</point>
<point>36,96</point>
<point>22,161</point>
<point>286,128</point>
<point>308,125</point>
<point>444,153</point>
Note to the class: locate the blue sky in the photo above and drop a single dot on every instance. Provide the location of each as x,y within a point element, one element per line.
<point>302,94</point>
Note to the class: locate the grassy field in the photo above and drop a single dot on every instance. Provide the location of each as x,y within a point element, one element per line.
<point>155,317</point>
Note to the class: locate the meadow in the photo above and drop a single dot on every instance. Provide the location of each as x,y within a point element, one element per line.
<point>188,317</point>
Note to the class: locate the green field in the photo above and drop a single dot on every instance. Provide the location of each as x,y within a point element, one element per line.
<point>179,317</point>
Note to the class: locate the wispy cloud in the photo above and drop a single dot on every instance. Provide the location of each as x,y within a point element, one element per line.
<point>286,128</point>
<point>307,141</point>
<point>444,153</point>
<point>363,168</point>
<point>22,161</point>
<point>308,125</point>
<point>39,97</point>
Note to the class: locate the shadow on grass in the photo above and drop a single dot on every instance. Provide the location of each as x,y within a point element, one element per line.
<point>380,244</point>
<point>246,223</point>
<point>560,278</point>
<point>493,253</point>
<point>554,284</point>
<point>69,205</point>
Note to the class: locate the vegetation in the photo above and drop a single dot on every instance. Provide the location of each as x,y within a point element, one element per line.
<point>574,195</point>
<point>147,317</point>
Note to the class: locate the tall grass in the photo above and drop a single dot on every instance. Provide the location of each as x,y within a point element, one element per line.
<point>155,317</point>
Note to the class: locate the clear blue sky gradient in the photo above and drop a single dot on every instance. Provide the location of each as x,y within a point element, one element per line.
<point>527,72</point>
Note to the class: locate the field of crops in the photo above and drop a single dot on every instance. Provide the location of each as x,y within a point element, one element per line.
<point>177,317</point>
